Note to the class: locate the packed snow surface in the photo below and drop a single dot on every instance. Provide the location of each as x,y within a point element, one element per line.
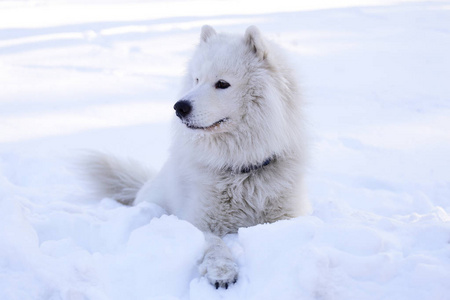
<point>104,75</point>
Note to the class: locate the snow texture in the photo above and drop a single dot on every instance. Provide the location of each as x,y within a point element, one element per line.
<point>104,75</point>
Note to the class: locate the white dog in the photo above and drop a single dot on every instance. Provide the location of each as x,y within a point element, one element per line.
<point>238,149</point>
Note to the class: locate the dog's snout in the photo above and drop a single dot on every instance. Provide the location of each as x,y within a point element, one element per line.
<point>182,108</point>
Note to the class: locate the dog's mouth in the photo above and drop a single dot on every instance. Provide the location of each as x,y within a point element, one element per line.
<point>210,127</point>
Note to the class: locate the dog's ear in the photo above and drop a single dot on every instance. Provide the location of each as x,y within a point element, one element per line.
<point>255,42</point>
<point>207,33</point>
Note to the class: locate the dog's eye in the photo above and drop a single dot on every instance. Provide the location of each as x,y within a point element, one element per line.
<point>222,84</point>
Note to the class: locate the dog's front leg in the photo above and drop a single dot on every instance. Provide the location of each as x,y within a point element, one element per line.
<point>218,264</point>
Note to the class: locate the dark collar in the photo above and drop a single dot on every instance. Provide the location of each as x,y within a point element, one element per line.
<point>252,168</point>
<point>248,169</point>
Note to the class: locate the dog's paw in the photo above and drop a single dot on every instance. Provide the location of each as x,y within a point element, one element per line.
<point>221,272</point>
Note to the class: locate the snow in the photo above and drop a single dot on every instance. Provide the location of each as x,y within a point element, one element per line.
<point>104,75</point>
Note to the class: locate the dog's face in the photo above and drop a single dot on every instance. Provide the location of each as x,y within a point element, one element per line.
<point>218,83</point>
<point>212,103</point>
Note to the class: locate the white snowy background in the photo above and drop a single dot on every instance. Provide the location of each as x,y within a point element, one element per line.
<point>104,75</point>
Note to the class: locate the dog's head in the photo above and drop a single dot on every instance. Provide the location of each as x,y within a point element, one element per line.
<point>218,84</point>
<point>239,95</point>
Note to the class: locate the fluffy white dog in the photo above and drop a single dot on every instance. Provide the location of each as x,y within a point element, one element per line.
<point>237,152</point>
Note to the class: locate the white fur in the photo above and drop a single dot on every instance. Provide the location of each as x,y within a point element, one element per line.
<point>202,181</point>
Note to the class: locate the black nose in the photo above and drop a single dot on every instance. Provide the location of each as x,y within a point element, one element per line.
<point>182,108</point>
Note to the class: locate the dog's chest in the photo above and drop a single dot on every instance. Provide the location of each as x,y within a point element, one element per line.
<point>234,201</point>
